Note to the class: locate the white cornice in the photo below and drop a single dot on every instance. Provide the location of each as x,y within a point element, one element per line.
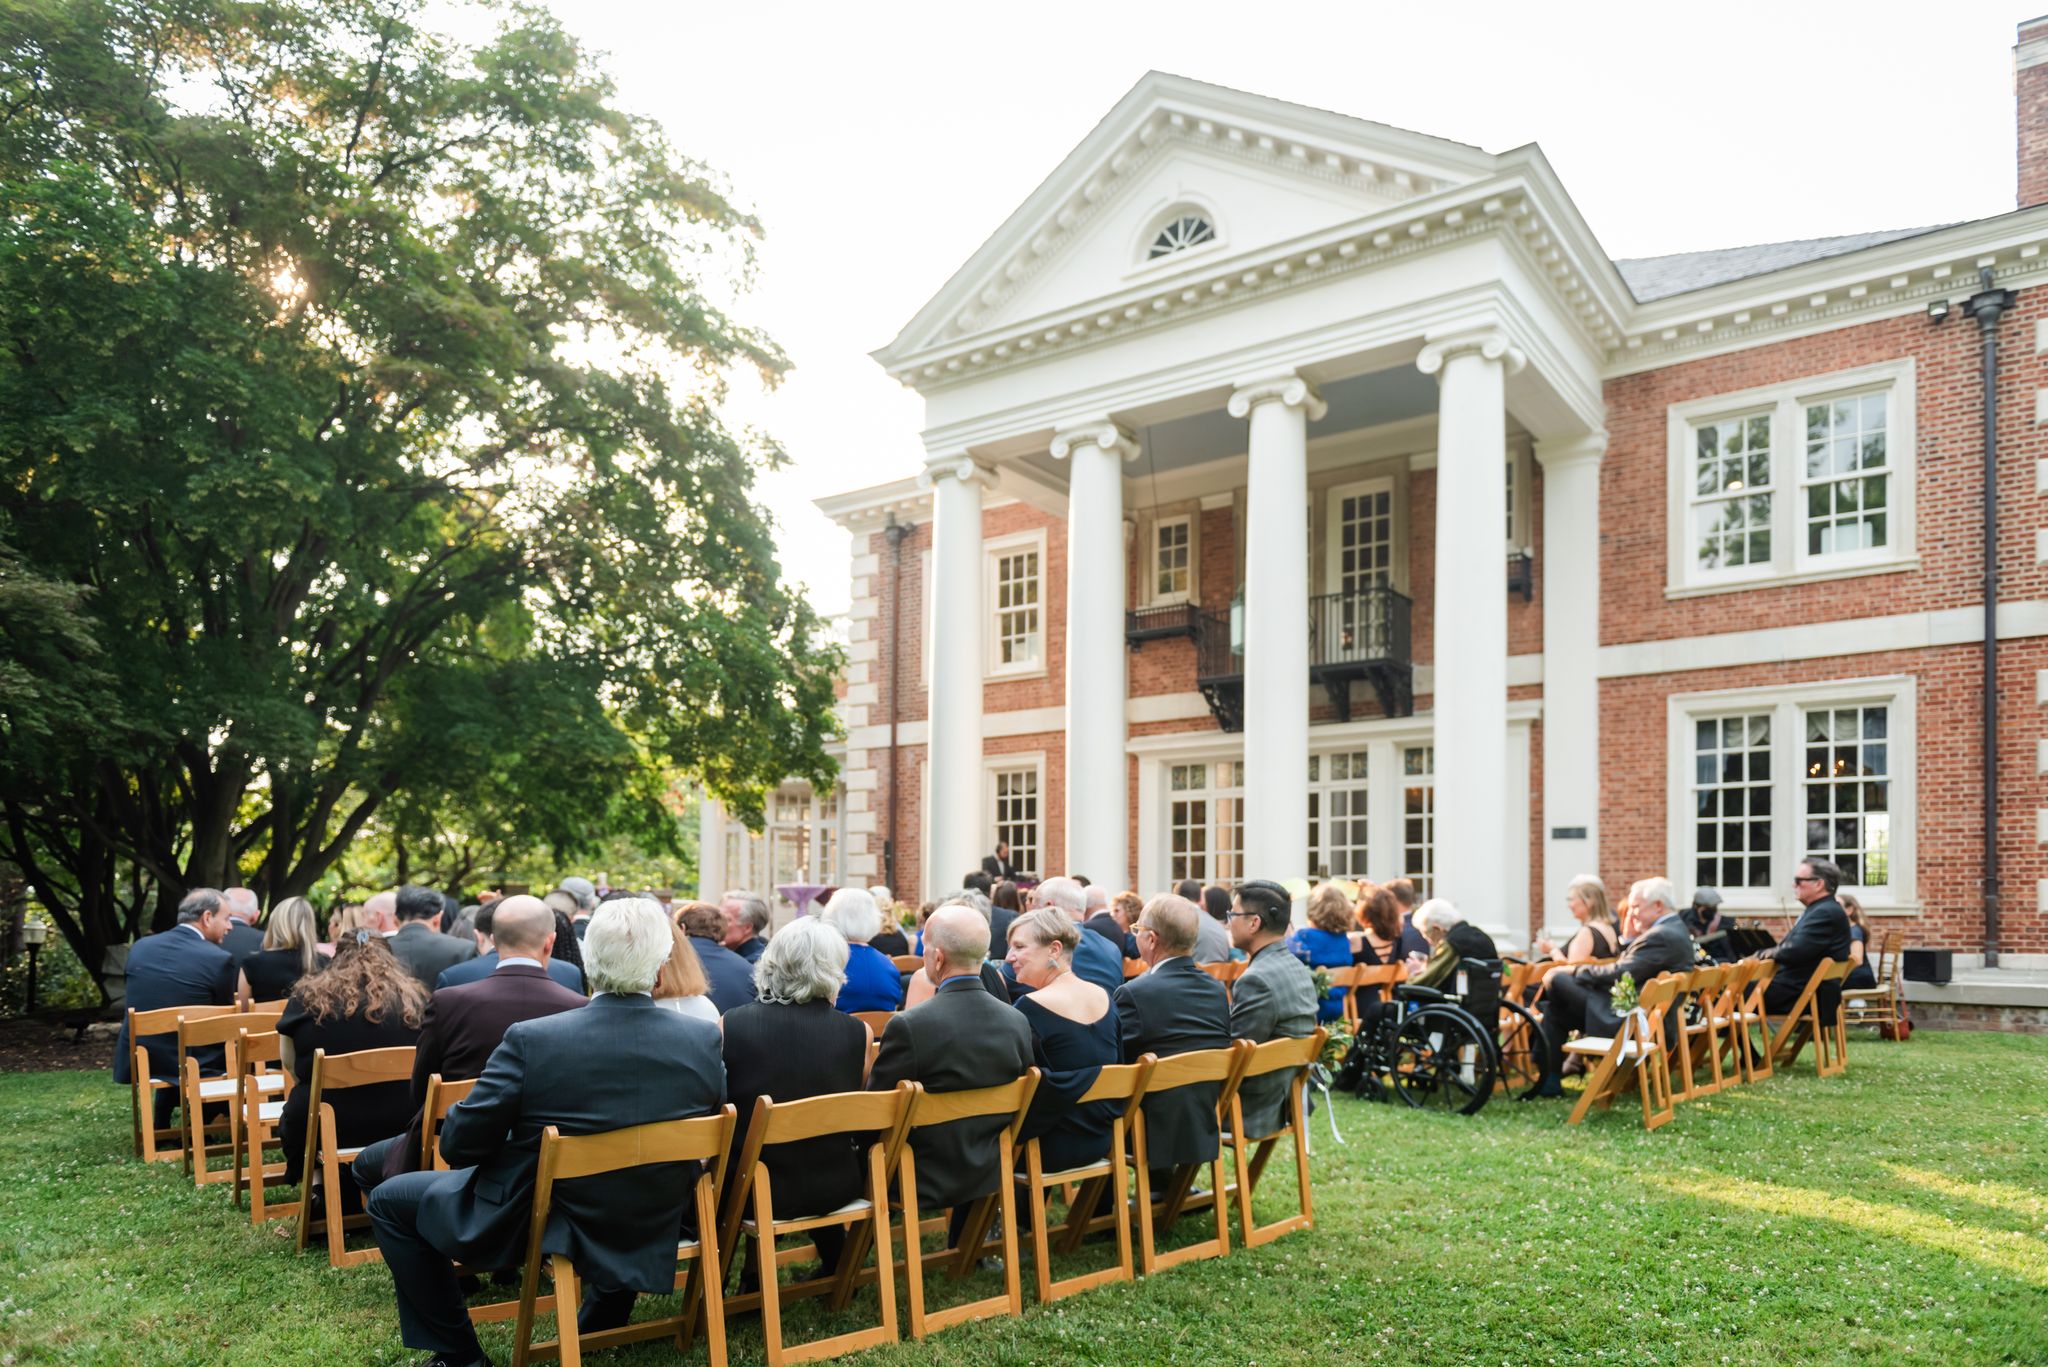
<point>907,500</point>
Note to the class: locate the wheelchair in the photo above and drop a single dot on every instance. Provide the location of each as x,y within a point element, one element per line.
<point>1432,1051</point>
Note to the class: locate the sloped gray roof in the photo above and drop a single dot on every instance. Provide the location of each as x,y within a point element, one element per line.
<point>1660,277</point>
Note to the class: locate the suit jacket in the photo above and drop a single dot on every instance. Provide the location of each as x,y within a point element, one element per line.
<point>242,940</point>
<point>753,947</point>
<point>463,1026</point>
<point>1665,947</point>
<point>1212,940</point>
<point>999,919</point>
<point>732,978</point>
<point>1821,932</point>
<point>1274,998</point>
<point>176,967</point>
<point>426,952</point>
<point>998,869</point>
<point>484,965</point>
<point>1112,930</point>
<point>961,1039</point>
<point>1176,1008</point>
<point>618,1062</point>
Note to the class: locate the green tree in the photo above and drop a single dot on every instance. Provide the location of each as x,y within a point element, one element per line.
<point>360,439</point>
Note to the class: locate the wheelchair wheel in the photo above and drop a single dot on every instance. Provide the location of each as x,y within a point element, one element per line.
<point>1442,1059</point>
<point>1524,1052</point>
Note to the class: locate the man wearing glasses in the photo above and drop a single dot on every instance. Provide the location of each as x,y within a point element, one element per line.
<point>1173,1008</point>
<point>1821,932</point>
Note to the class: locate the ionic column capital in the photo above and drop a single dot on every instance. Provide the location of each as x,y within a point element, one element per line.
<point>966,469</point>
<point>1566,453</point>
<point>1287,388</point>
<point>1490,343</point>
<point>1101,432</point>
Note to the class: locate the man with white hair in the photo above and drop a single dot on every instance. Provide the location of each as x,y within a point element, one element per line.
<point>619,1062</point>
<point>245,936</point>
<point>1575,996</point>
<point>380,913</point>
<point>961,1039</point>
<point>585,893</point>
<point>1095,959</point>
<point>746,924</point>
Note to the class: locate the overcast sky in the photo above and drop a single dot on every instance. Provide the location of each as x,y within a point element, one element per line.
<point>881,143</point>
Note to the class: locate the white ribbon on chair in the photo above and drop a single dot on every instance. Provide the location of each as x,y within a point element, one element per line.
<point>1319,1078</point>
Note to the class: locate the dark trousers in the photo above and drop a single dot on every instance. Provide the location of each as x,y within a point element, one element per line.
<point>1568,1005</point>
<point>431,1314</point>
<point>369,1165</point>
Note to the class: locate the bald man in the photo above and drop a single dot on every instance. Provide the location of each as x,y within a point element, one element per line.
<point>484,928</point>
<point>466,1022</point>
<point>961,1039</point>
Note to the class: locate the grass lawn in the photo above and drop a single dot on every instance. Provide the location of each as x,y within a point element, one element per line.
<point>1897,1214</point>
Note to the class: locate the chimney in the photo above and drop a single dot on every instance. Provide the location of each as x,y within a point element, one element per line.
<point>2030,85</point>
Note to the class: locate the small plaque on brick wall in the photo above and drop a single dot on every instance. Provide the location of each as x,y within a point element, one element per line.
<point>1567,832</point>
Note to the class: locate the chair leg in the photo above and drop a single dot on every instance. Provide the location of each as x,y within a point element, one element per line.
<point>330,1177</point>
<point>568,1300</point>
<point>709,1274</point>
<point>1148,1252</point>
<point>1041,1238</point>
<point>913,1245</point>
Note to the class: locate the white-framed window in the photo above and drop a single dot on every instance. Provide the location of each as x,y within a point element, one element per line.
<point>1808,479</point>
<point>1173,231</point>
<point>1360,534</point>
<point>1172,570</point>
<point>1205,821</point>
<point>1418,817</point>
<point>1015,580</point>
<point>1339,808</point>
<point>1015,798</point>
<point>1763,778</point>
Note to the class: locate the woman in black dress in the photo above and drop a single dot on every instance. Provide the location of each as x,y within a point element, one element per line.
<point>291,950</point>
<point>1073,1034</point>
<point>365,999</point>
<point>790,1043</point>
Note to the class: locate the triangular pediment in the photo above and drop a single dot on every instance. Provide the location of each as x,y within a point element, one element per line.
<point>1258,171</point>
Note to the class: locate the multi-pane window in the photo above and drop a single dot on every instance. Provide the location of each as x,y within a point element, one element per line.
<point>1418,817</point>
<point>1187,230</point>
<point>1205,821</point>
<point>1731,506</point>
<point>1732,801</point>
<point>1847,779</point>
<point>1172,567</point>
<point>1016,581</point>
<point>1848,475</point>
<point>827,870</point>
<point>1337,814</point>
<point>1806,478</point>
<point>1364,538</point>
<point>1016,823</point>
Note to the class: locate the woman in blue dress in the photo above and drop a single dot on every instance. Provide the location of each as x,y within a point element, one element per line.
<point>1073,1034</point>
<point>1325,942</point>
<point>872,982</point>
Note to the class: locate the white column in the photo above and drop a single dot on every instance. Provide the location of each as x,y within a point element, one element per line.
<point>710,850</point>
<point>1276,691</point>
<point>1097,809</point>
<point>953,763</point>
<point>1571,680</point>
<point>1471,624</point>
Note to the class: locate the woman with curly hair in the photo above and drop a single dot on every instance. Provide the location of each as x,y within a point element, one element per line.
<point>365,999</point>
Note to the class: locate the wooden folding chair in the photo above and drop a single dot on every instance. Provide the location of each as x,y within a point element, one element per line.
<point>1699,1041</point>
<point>1086,1185</point>
<point>324,1152</point>
<point>877,1021</point>
<point>1635,1055</point>
<point>1803,1021</point>
<point>564,1158</point>
<point>1753,1021</point>
<point>440,1099</point>
<point>1226,973</point>
<point>261,1108</point>
<point>1012,1099</point>
<point>1133,968</point>
<point>1363,978</point>
<point>1882,1005</point>
<point>907,963</point>
<point>883,1115</point>
<point>221,1092</point>
<point>1219,1066</point>
<point>154,1145</point>
<point>1272,1057</point>
<point>274,1008</point>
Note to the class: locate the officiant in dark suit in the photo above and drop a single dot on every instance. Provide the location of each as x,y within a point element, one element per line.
<point>998,866</point>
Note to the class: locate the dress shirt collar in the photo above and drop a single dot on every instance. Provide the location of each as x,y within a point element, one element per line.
<point>504,962</point>
<point>193,926</point>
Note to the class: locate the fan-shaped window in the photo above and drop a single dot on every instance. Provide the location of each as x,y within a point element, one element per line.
<point>1184,231</point>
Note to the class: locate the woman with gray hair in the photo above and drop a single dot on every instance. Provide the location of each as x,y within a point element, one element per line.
<point>872,982</point>
<point>788,1044</point>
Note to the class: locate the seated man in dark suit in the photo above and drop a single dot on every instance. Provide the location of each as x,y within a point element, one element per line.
<point>961,1039</point>
<point>486,961</point>
<point>1821,932</point>
<point>245,934</point>
<point>731,977</point>
<point>182,966</point>
<point>1575,996</point>
<point>465,1024</point>
<point>1274,998</point>
<point>419,943</point>
<point>746,924</point>
<point>619,1062</point>
<point>1173,1007</point>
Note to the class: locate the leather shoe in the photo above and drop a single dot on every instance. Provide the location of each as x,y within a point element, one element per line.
<point>443,1360</point>
<point>1547,1090</point>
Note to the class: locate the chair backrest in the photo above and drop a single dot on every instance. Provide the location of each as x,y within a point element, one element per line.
<point>1125,1082</point>
<point>1133,968</point>
<point>942,1108</point>
<point>442,1094</point>
<point>164,1020</point>
<point>1657,994</point>
<point>1886,966</point>
<point>256,1047</point>
<point>907,963</point>
<point>1225,973</point>
<point>363,1068</point>
<point>786,1122</point>
<point>1199,1066</point>
<point>221,1028</point>
<point>703,1139</point>
<point>270,1008</point>
<point>877,1021</point>
<point>1278,1054</point>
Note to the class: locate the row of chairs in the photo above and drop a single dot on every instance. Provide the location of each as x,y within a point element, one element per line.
<point>1727,1037</point>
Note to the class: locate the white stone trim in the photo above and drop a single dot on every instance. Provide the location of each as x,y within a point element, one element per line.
<point>1825,640</point>
<point>1898,692</point>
